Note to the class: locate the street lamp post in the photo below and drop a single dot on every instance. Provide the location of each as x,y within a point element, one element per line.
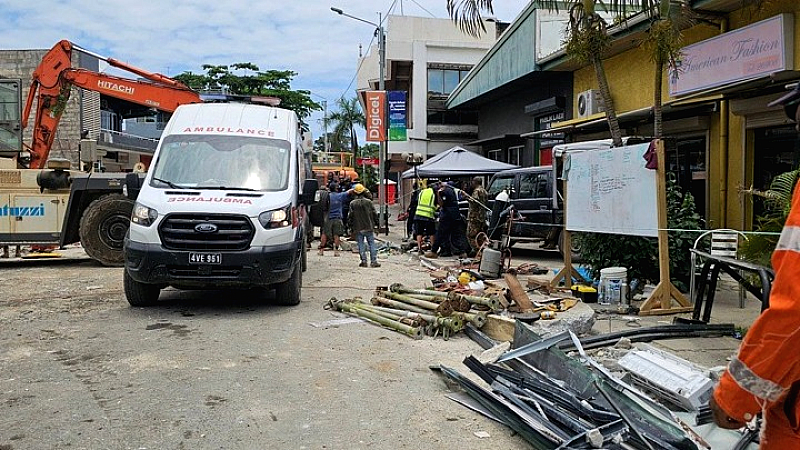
<point>382,152</point>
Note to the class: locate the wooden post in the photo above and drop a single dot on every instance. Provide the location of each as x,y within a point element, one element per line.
<point>567,273</point>
<point>660,301</point>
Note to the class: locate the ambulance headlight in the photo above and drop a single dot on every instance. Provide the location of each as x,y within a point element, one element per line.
<point>277,218</point>
<point>142,215</point>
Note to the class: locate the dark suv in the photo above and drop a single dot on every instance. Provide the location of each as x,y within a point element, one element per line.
<point>532,192</point>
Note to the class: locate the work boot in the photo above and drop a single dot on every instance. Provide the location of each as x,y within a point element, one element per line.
<point>336,253</point>
<point>321,252</point>
<point>432,255</point>
<point>363,264</point>
<point>375,264</point>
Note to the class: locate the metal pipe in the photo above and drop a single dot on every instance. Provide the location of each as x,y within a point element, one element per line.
<point>414,332</point>
<point>399,305</point>
<point>400,289</point>
<point>410,300</point>
<point>492,302</point>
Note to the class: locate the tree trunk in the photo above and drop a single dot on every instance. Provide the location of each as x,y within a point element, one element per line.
<point>657,109</point>
<point>608,102</point>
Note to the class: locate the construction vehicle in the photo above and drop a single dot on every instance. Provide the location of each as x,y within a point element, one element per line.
<point>329,166</point>
<point>42,202</point>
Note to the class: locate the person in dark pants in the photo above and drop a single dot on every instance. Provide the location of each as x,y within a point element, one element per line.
<point>412,208</point>
<point>451,232</point>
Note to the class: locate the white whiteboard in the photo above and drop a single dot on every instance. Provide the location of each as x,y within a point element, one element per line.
<point>611,191</point>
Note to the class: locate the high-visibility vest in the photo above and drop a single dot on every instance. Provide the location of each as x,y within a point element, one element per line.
<point>425,206</point>
<point>768,364</point>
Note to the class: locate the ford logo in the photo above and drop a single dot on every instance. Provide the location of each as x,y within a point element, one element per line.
<point>206,228</point>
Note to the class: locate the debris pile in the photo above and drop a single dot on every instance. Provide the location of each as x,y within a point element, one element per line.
<point>557,400</point>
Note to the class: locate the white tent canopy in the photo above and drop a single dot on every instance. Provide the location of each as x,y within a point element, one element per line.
<point>457,162</point>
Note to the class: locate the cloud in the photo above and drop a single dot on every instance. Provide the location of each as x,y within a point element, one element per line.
<point>173,36</point>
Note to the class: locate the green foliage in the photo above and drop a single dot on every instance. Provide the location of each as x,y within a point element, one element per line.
<point>369,174</point>
<point>250,80</point>
<point>777,201</point>
<point>346,118</point>
<point>640,254</point>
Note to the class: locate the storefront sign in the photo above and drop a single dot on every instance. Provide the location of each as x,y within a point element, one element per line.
<point>754,51</point>
<point>367,162</point>
<point>397,115</point>
<point>545,123</point>
<point>376,116</point>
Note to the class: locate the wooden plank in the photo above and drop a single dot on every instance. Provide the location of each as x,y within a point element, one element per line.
<point>499,328</point>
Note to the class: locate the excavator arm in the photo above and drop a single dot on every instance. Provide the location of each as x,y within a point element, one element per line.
<point>54,77</point>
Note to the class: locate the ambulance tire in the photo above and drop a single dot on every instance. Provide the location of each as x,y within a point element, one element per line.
<point>139,294</point>
<point>103,227</point>
<point>288,292</point>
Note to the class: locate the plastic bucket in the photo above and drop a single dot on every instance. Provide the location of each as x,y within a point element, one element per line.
<point>610,289</point>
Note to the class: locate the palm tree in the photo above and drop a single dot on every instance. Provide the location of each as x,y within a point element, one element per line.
<point>588,38</point>
<point>346,119</point>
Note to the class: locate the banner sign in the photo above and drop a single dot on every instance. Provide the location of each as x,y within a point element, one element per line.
<point>754,51</point>
<point>367,162</point>
<point>397,116</point>
<point>376,116</point>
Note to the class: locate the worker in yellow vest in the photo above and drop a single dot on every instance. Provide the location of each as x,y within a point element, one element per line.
<point>425,215</point>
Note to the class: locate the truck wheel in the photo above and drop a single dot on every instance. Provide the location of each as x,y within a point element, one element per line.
<point>304,255</point>
<point>139,294</point>
<point>574,243</point>
<point>288,292</point>
<point>103,226</point>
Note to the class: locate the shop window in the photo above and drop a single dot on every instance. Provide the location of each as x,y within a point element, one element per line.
<point>496,155</point>
<point>515,155</point>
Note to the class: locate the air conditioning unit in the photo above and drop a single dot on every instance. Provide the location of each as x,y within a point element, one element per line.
<point>589,102</point>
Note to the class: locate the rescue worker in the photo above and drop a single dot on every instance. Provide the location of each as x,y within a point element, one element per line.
<point>363,222</point>
<point>450,233</point>
<point>476,217</point>
<point>425,215</point>
<point>765,374</point>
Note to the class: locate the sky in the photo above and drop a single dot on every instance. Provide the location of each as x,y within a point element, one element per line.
<point>174,36</point>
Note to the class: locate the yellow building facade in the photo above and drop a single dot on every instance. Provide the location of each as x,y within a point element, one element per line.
<point>725,138</point>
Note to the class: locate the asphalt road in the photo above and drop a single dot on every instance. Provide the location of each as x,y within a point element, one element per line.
<point>80,369</point>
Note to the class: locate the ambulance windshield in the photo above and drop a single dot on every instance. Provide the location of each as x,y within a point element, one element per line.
<point>222,162</point>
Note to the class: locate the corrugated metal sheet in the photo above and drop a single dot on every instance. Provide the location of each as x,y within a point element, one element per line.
<point>511,58</point>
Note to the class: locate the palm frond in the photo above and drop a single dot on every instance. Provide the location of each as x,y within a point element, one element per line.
<point>467,15</point>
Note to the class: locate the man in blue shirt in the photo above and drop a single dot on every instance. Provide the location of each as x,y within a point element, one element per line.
<point>334,226</point>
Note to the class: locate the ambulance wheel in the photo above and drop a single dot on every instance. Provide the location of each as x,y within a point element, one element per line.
<point>288,292</point>
<point>103,226</point>
<point>139,294</point>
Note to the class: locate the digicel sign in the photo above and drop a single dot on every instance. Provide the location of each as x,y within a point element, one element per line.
<point>376,116</point>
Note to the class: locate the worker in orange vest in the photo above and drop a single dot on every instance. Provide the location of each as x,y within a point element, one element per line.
<point>765,374</point>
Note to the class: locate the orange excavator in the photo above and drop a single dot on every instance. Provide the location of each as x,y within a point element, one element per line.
<point>43,203</point>
<point>55,75</point>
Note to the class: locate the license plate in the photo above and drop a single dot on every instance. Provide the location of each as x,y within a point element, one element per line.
<point>205,258</point>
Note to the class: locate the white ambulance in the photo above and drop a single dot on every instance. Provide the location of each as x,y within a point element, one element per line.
<point>223,204</point>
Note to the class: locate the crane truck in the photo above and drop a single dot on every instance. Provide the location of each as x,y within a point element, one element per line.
<point>43,202</point>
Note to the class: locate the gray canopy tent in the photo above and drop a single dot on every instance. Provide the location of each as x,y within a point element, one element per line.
<point>457,162</point>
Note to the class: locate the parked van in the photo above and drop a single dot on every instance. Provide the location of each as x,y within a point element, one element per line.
<point>223,204</point>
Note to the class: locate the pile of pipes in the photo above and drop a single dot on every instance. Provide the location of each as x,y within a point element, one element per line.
<point>419,312</point>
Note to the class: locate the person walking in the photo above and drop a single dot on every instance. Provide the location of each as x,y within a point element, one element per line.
<point>363,220</point>
<point>425,215</point>
<point>334,226</point>
<point>764,376</point>
<point>476,217</point>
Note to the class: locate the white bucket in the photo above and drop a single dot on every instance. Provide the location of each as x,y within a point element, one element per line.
<point>610,289</point>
